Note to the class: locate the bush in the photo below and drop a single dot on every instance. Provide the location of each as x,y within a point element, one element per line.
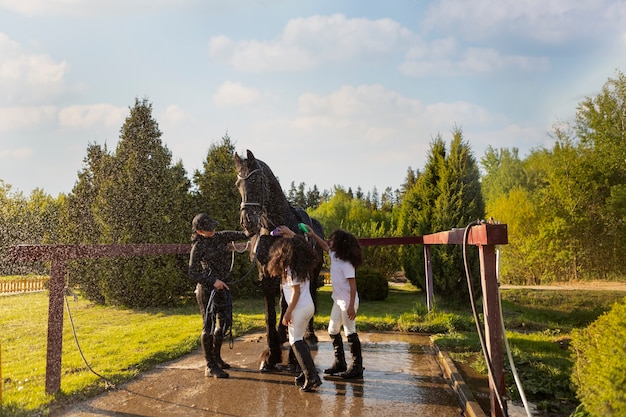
<point>600,370</point>
<point>371,285</point>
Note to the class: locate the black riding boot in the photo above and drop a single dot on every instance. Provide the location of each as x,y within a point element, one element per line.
<point>217,346</point>
<point>311,377</point>
<point>293,365</point>
<point>212,368</point>
<point>356,370</point>
<point>339,365</point>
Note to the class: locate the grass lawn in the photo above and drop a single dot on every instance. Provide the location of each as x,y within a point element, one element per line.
<point>120,343</point>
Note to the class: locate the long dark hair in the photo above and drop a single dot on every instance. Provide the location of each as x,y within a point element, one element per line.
<point>346,247</point>
<point>294,253</point>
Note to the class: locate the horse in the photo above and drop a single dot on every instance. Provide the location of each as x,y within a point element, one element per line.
<point>263,208</point>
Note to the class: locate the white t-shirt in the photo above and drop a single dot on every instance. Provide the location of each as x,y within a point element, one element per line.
<point>340,272</point>
<point>305,294</point>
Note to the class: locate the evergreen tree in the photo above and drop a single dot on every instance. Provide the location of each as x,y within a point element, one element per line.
<point>446,196</point>
<point>135,195</point>
<point>217,194</point>
<point>313,198</point>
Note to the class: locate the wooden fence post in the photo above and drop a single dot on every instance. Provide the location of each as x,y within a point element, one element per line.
<point>55,325</point>
<point>493,326</point>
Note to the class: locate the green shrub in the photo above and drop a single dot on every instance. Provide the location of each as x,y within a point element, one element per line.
<point>600,370</point>
<point>371,285</point>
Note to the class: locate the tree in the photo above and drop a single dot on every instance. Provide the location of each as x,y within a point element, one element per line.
<point>344,211</point>
<point>135,195</point>
<point>504,171</point>
<point>447,195</point>
<point>313,198</point>
<point>26,220</point>
<point>217,194</point>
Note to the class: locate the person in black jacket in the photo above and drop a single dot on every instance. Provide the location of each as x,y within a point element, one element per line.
<point>209,267</point>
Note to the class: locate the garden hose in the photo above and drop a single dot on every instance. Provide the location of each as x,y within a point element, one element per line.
<point>518,383</point>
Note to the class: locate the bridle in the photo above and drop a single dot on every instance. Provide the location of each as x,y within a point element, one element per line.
<point>261,205</point>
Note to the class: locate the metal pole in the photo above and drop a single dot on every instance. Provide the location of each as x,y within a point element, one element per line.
<point>429,278</point>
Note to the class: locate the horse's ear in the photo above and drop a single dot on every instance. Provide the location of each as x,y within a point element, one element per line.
<point>250,155</point>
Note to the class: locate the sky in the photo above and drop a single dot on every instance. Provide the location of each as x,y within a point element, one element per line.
<point>327,92</point>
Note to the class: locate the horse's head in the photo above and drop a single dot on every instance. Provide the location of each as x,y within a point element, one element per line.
<point>252,187</point>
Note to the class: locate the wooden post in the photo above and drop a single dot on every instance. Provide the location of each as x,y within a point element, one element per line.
<point>55,325</point>
<point>493,326</point>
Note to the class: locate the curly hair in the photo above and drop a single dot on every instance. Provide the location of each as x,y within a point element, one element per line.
<point>294,253</point>
<point>346,246</point>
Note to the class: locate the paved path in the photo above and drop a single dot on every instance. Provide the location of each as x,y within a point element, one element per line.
<point>402,378</point>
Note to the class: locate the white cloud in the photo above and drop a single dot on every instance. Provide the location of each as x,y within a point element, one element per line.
<point>174,115</point>
<point>547,22</point>
<point>444,57</point>
<point>85,8</point>
<point>25,118</point>
<point>232,94</point>
<point>372,115</point>
<point>105,115</point>
<point>306,43</point>
<point>26,76</point>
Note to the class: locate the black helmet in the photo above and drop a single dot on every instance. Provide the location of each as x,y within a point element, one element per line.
<point>202,221</point>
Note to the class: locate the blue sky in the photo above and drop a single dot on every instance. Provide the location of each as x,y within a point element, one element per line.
<point>347,93</point>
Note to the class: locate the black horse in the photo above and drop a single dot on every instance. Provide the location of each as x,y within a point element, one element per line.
<point>263,208</point>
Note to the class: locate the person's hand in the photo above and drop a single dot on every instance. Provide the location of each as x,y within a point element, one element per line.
<point>285,231</point>
<point>351,313</point>
<point>287,318</point>
<point>220,285</point>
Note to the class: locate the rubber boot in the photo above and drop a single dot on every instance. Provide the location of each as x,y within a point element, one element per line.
<point>217,348</point>
<point>311,377</point>
<point>339,365</point>
<point>356,370</point>
<point>212,368</point>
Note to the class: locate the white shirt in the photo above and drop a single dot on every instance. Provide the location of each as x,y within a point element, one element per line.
<point>305,294</point>
<point>340,272</point>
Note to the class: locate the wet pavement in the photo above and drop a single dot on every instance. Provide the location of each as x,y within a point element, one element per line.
<point>402,377</point>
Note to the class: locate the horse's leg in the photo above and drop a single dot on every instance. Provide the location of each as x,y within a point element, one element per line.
<point>274,357</point>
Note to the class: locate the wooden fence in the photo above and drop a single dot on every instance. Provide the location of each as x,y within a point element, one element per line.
<point>485,236</point>
<point>23,284</point>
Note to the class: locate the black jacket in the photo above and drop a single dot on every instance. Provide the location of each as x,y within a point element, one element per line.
<point>210,257</point>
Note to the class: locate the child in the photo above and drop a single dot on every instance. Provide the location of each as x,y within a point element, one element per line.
<point>292,258</point>
<point>209,266</point>
<point>345,256</point>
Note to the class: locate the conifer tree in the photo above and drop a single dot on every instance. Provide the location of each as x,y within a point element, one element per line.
<point>135,195</point>
<point>447,195</point>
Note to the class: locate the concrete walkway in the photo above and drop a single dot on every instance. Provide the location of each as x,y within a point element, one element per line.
<point>402,378</point>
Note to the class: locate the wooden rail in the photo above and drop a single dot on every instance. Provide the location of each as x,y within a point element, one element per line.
<point>484,236</point>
